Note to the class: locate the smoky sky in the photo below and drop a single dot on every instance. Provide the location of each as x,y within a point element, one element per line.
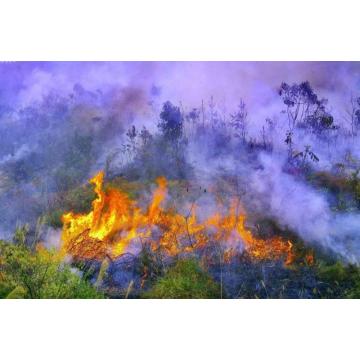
<point>189,82</point>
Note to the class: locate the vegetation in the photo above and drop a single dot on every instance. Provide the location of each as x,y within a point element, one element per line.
<point>185,280</point>
<point>39,274</point>
<point>339,280</point>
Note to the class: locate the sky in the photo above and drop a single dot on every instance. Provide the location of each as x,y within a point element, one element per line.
<point>189,82</point>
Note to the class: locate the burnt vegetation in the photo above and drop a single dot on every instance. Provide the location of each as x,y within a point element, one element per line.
<point>209,156</point>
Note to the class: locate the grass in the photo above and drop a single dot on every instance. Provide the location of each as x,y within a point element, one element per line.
<point>185,280</point>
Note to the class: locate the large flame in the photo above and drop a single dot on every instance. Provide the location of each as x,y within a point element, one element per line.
<point>116,221</point>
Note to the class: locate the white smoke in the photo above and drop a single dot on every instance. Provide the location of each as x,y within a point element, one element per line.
<point>305,210</point>
<point>51,238</point>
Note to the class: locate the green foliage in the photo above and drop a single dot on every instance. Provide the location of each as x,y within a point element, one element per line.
<point>54,218</point>
<point>344,187</point>
<point>102,272</point>
<point>17,293</point>
<point>77,200</point>
<point>185,280</point>
<point>150,264</point>
<point>20,234</point>
<point>39,274</point>
<point>339,280</point>
<point>132,188</point>
<point>334,183</point>
<point>355,185</point>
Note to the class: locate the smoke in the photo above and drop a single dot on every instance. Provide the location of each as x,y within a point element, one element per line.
<point>189,82</point>
<point>19,153</point>
<point>51,238</point>
<point>59,118</point>
<point>305,210</point>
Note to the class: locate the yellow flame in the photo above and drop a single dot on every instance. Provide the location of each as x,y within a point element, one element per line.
<point>115,221</point>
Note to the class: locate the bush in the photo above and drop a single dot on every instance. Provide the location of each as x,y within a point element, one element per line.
<point>39,274</point>
<point>339,280</point>
<point>54,219</point>
<point>185,280</point>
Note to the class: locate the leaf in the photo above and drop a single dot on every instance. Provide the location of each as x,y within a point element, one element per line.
<point>18,293</point>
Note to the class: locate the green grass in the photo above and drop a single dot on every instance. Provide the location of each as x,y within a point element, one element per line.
<point>185,280</point>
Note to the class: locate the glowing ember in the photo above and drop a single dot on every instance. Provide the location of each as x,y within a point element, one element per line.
<point>116,221</point>
<point>310,259</point>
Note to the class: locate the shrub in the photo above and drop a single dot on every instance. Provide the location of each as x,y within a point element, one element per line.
<point>39,274</point>
<point>339,280</point>
<point>185,280</point>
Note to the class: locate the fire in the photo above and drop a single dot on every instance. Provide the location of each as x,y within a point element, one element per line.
<point>90,235</point>
<point>309,257</point>
<point>274,248</point>
<point>116,221</point>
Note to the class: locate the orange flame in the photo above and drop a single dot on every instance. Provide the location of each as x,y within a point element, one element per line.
<point>116,221</point>
<point>309,257</point>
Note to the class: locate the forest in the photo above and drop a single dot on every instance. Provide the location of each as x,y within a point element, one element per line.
<point>131,191</point>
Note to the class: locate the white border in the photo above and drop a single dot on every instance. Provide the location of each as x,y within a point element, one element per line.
<point>179,30</point>
<point>179,329</point>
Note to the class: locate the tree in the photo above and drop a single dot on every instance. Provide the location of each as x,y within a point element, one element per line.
<point>354,115</point>
<point>171,122</point>
<point>193,119</point>
<point>304,108</point>
<point>132,134</point>
<point>239,121</point>
<point>213,114</point>
<point>145,136</point>
<point>131,147</point>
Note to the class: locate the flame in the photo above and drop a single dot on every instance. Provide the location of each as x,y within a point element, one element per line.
<point>89,235</point>
<point>116,221</point>
<point>274,248</point>
<point>309,257</point>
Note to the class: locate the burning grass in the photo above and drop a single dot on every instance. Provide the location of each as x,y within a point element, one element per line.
<point>117,224</point>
